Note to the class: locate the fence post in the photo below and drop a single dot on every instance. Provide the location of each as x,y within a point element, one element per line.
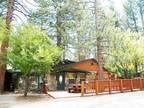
<point>82,88</point>
<point>121,85</point>
<point>131,82</point>
<point>140,83</point>
<point>96,87</point>
<point>109,86</point>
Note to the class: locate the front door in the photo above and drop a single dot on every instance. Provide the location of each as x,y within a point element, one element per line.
<point>61,81</point>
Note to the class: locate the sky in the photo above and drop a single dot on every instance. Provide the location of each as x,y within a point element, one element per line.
<point>119,5</point>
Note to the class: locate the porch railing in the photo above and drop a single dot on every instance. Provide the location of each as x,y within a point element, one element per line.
<point>111,86</point>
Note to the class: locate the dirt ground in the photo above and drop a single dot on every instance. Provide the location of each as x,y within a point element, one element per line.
<point>8,100</point>
<point>119,100</point>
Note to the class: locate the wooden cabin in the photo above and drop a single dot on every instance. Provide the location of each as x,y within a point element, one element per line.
<point>69,72</point>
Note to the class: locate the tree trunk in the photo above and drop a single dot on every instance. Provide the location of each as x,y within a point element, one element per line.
<point>95,15</point>
<point>136,69</point>
<point>98,45</point>
<point>100,58</point>
<point>2,77</point>
<point>59,32</point>
<point>27,85</point>
<point>126,74</point>
<point>4,45</point>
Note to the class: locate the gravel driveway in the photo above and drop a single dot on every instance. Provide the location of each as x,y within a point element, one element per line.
<point>120,100</point>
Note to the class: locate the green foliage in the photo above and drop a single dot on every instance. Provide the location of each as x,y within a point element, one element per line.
<point>59,19</point>
<point>75,24</point>
<point>72,26</point>
<point>56,13</point>
<point>3,30</point>
<point>125,50</point>
<point>32,51</point>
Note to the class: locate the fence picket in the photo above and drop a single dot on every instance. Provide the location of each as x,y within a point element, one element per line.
<point>101,86</point>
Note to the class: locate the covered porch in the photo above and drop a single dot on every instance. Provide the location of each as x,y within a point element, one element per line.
<point>70,77</point>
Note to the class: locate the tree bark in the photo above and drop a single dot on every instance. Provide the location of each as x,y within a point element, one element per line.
<point>126,74</point>
<point>27,85</point>
<point>59,33</point>
<point>100,58</point>
<point>4,45</point>
<point>98,45</point>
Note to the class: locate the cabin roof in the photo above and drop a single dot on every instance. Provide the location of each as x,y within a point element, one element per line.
<point>81,66</point>
<point>69,66</point>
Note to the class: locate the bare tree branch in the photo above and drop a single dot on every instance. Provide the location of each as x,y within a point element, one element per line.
<point>18,17</point>
<point>26,15</point>
<point>22,6</point>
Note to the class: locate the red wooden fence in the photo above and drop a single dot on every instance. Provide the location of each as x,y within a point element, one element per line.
<point>111,86</point>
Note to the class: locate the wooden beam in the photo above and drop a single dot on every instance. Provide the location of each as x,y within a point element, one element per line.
<point>140,80</point>
<point>109,86</point>
<point>96,87</point>
<point>131,82</point>
<point>121,85</point>
<point>82,88</point>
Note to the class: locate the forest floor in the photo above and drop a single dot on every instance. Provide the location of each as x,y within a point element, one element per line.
<point>119,100</point>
